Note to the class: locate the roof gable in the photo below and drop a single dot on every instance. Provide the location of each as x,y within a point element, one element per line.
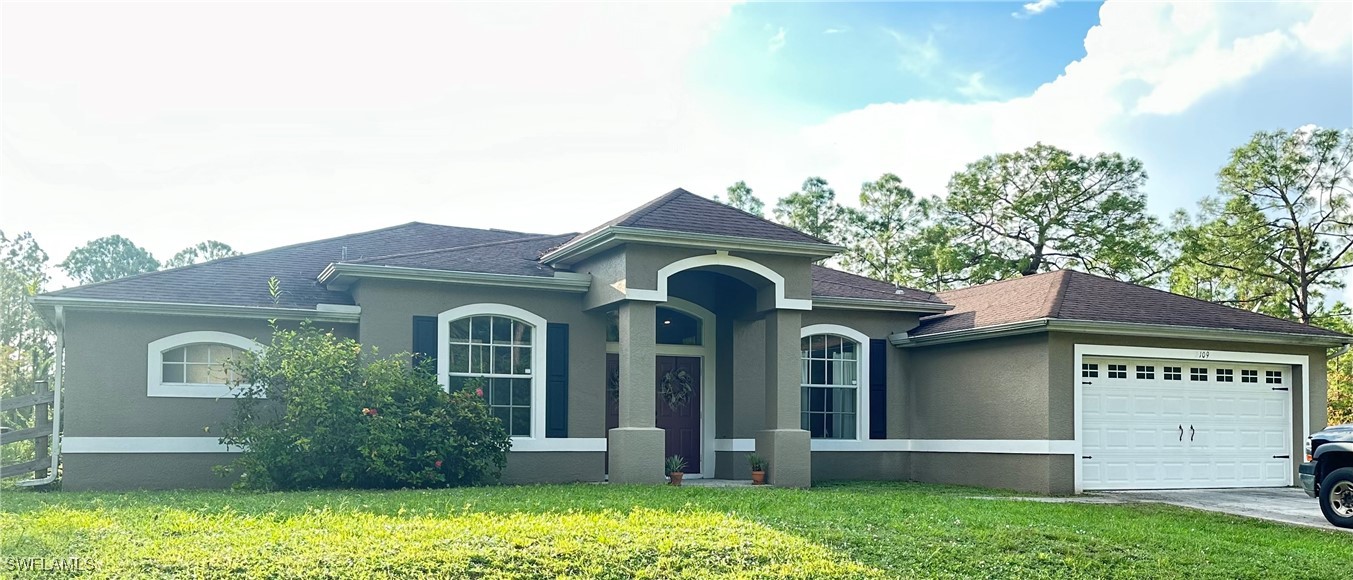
<point>684,212</point>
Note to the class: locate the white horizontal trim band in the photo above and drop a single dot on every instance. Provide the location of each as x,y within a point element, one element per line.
<point>1013,446</point>
<point>213,445</point>
<point>145,445</point>
<point>525,445</point>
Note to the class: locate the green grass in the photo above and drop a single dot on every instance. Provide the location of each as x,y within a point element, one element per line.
<point>859,530</point>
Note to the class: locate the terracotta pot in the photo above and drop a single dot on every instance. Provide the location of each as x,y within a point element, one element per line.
<point>676,478</point>
<point>758,478</point>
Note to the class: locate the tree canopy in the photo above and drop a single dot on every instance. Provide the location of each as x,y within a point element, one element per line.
<point>1043,209</point>
<point>202,252</point>
<point>812,210</point>
<point>741,197</point>
<point>108,258</point>
<point>1283,223</point>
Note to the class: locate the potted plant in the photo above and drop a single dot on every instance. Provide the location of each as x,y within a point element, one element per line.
<point>758,464</point>
<point>676,468</point>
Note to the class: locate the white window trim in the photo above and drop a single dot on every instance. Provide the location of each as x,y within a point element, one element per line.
<point>1203,356</point>
<point>862,384</point>
<point>719,258</point>
<point>538,349</point>
<point>155,385</point>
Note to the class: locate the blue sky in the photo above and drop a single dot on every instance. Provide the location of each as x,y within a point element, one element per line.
<point>821,59</point>
<point>270,124</point>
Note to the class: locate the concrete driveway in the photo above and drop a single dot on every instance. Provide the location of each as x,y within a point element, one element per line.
<point>1281,504</point>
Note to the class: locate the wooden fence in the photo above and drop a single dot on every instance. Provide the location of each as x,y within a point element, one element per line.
<point>40,433</point>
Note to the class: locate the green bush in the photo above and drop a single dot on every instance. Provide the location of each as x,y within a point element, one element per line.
<point>314,412</point>
<point>1340,398</point>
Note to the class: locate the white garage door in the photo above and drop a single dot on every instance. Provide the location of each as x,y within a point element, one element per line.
<point>1164,424</point>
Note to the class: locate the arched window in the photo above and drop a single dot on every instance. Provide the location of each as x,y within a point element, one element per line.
<point>499,349</point>
<point>193,364</point>
<point>832,368</point>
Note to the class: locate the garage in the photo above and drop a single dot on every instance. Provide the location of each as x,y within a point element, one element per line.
<point>1163,423</point>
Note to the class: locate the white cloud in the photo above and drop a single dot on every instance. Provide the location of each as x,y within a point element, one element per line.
<point>1035,8</point>
<point>261,125</point>
<point>913,55</point>
<point>1143,58</point>
<point>836,30</point>
<point>776,42</point>
<point>974,86</point>
<point>196,121</point>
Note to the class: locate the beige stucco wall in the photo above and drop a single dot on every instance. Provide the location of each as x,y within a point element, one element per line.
<point>990,389</point>
<point>104,389</point>
<point>1045,474</point>
<point>388,308</point>
<point>129,471</point>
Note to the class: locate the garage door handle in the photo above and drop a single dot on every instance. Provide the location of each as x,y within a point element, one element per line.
<point>1191,432</point>
<point>1181,432</point>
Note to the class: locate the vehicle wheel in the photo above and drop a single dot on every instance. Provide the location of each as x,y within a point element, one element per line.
<point>1336,497</point>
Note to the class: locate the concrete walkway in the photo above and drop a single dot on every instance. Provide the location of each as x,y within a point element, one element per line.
<point>1282,504</point>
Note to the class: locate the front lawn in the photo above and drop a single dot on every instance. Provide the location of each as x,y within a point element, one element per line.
<point>855,530</point>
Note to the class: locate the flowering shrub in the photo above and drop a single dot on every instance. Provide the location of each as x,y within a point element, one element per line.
<point>314,412</point>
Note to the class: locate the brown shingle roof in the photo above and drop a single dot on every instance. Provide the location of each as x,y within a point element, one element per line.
<point>243,280</point>
<point>1071,295</point>
<point>519,257</point>
<point>837,284</point>
<point>682,211</point>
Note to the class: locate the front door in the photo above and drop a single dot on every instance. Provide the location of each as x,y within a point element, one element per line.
<point>677,404</point>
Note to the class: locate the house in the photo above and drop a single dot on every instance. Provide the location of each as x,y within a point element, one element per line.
<point>689,327</point>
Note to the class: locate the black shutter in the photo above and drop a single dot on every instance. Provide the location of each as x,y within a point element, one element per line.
<point>556,380</point>
<point>878,389</point>
<point>425,342</point>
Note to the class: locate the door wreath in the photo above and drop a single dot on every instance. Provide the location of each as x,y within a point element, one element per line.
<point>676,389</point>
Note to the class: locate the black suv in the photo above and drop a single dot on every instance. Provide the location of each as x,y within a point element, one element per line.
<point>1328,473</point>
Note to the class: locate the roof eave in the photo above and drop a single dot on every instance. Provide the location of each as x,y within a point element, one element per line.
<point>845,303</point>
<point>339,276</point>
<point>613,236</point>
<point>1119,329</point>
<point>343,313</point>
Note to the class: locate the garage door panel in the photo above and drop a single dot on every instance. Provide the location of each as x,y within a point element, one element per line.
<point>1231,429</point>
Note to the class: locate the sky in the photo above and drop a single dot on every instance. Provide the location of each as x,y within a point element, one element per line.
<point>261,125</point>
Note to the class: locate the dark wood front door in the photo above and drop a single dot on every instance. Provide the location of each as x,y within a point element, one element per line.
<point>681,422</point>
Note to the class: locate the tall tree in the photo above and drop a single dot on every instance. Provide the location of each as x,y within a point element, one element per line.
<point>1043,209</point>
<point>25,341</point>
<point>878,233</point>
<point>202,252</point>
<point>1285,220</point>
<point>1237,288</point>
<point>812,210</point>
<point>108,258</point>
<point>740,196</point>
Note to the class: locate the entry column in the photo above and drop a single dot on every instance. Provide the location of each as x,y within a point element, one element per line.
<point>636,447</point>
<point>783,444</point>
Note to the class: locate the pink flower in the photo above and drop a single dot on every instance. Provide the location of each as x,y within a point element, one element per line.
<point>437,464</point>
<point>479,392</point>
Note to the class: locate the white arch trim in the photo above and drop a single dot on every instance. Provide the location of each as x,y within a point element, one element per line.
<point>538,347</point>
<point>862,383</point>
<point>719,258</point>
<point>155,385</point>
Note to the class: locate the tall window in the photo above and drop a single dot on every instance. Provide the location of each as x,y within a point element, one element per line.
<point>494,352</point>
<point>830,385</point>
